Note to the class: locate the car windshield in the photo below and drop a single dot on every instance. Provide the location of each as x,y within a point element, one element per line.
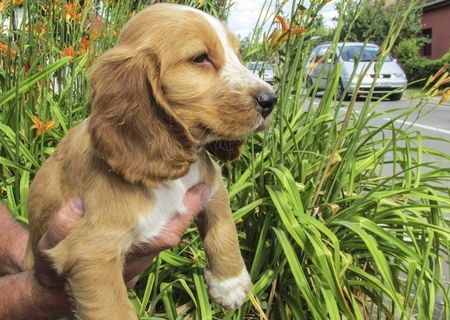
<point>352,53</point>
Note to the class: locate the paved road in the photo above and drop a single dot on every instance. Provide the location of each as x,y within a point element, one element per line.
<point>434,120</point>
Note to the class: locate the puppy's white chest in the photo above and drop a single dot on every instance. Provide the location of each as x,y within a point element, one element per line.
<point>168,201</point>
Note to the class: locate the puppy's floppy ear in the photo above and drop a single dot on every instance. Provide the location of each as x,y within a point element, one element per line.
<point>132,126</point>
<point>225,150</point>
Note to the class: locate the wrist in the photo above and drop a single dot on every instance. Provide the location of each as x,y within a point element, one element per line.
<point>49,301</point>
<point>136,265</point>
<point>21,296</point>
<point>13,239</point>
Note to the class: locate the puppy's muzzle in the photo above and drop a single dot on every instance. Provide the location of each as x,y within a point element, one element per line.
<point>266,101</point>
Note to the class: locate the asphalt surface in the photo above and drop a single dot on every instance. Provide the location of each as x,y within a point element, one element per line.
<point>433,120</point>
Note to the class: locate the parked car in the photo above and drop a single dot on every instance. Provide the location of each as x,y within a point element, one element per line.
<point>262,69</point>
<point>390,79</point>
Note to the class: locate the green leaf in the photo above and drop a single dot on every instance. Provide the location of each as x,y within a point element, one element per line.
<point>26,84</point>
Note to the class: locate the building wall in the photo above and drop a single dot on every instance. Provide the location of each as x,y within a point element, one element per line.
<point>439,22</point>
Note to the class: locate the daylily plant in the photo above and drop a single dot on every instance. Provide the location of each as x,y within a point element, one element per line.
<point>4,48</point>
<point>280,35</point>
<point>40,127</point>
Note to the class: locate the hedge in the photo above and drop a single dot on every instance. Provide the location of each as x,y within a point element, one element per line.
<point>420,68</point>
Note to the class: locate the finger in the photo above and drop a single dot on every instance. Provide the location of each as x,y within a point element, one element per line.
<point>136,265</point>
<point>61,224</point>
<point>171,234</point>
<point>130,284</point>
<point>194,200</point>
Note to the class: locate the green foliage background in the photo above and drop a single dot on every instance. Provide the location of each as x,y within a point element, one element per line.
<point>371,21</point>
<point>417,67</point>
<point>338,218</point>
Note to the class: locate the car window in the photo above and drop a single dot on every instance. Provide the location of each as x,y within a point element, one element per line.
<point>322,52</point>
<point>352,53</point>
<point>313,55</point>
<point>318,54</point>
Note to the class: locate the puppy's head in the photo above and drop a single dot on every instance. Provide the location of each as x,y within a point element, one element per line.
<point>173,81</point>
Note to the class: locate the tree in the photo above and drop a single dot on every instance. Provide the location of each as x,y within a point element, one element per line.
<point>371,21</point>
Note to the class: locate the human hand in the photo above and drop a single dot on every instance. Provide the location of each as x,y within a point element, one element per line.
<point>138,259</point>
<point>58,228</point>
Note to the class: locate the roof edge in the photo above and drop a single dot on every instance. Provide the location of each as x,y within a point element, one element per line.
<point>435,4</point>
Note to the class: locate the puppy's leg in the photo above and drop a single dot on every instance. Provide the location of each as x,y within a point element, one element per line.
<point>227,278</point>
<point>93,266</point>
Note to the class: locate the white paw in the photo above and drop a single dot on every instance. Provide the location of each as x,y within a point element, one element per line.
<point>229,293</point>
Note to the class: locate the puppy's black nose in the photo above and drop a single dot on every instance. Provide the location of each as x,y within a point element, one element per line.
<point>266,100</point>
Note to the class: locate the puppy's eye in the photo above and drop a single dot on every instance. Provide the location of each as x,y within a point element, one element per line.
<point>200,59</point>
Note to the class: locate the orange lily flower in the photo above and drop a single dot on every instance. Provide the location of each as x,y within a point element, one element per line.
<point>41,29</point>
<point>68,52</point>
<point>283,22</point>
<point>286,31</point>
<point>40,127</point>
<point>84,45</point>
<point>4,48</point>
<point>72,12</point>
<point>96,33</point>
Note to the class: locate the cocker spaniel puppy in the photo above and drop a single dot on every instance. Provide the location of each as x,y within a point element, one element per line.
<point>172,88</point>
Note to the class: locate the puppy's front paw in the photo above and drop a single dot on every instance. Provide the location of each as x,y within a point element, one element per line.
<point>229,293</point>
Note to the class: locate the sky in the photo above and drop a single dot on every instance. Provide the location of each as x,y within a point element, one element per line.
<point>244,14</point>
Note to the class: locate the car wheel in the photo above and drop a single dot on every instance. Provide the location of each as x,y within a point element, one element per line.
<point>396,96</point>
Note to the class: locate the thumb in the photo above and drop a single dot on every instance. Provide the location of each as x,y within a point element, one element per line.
<point>58,228</point>
<point>194,200</point>
<point>61,224</point>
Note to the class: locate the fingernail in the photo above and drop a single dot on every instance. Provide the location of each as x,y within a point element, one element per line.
<point>206,193</point>
<point>78,206</point>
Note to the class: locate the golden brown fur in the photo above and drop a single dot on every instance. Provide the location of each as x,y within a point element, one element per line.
<point>154,112</point>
